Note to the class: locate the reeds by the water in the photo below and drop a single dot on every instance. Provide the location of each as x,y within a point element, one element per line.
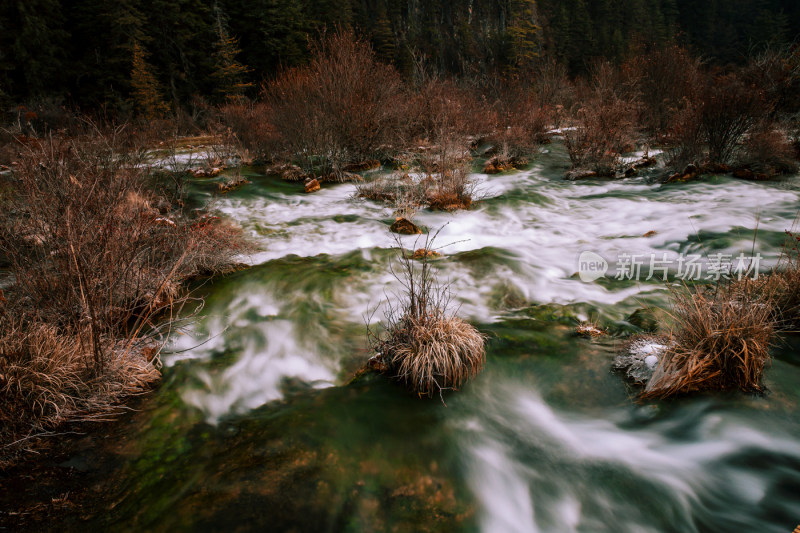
<point>720,341</point>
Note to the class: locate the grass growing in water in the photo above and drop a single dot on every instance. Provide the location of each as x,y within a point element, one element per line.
<point>425,345</point>
<point>720,341</point>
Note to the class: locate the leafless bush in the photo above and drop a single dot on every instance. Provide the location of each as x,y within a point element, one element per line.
<point>768,150</point>
<point>666,79</point>
<point>728,110</point>
<point>425,346</point>
<point>251,123</point>
<point>715,120</point>
<point>97,257</point>
<point>89,249</point>
<point>522,123</point>
<point>603,123</point>
<point>345,106</point>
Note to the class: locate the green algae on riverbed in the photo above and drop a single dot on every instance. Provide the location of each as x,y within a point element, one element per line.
<point>255,427</point>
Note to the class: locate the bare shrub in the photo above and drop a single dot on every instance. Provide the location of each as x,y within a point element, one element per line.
<point>345,106</point>
<point>720,341</point>
<point>666,78</point>
<point>711,127</point>
<point>768,150</point>
<point>522,124</point>
<point>97,257</point>
<point>603,123</point>
<point>251,123</point>
<point>728,110</point>
<point>425,346</point>
<point>89,249</point>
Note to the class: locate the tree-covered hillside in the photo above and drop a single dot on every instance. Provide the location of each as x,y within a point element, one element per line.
<point>93,53</point>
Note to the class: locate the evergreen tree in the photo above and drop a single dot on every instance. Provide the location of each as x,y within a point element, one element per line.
<point>146,95</point>
<point>32,45</point>
<point>523,32</point>
<point>230,75</point>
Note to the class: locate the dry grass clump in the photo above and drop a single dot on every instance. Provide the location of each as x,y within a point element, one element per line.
<point>437,353</point>
<point>45,380</point>
<point>97,258</point>
<point>424,346</point>
<point>589,330</point>
<point>782,286</point>
<point>720,341</point>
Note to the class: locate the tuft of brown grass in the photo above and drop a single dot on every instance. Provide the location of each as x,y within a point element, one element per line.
<point>782,286</point>
<point>424,346</point>
<point>720,341</point>
<point>45,380</point>
<point>435,353</point>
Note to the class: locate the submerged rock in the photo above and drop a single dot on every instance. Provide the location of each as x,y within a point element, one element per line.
<point>311,185</point>
<point>689,173</point>
<point>587,329</point>
<point>424,253</point>
<point>580,174</point>
<point>641,356</point>
<point>404,226</point>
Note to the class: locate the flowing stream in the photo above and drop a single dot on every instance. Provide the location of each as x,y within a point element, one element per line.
<point>257,426</point>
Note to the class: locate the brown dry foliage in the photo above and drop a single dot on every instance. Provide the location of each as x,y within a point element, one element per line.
<point>45,380</point>
<point>522,123</point>
<point>424,346</point>
<point>604,123</point>
<point>345,106</point>
<point>718,114</point>
<point>251,123</point>
<point>720,341</point>
<point>768,150</point>
<point>97,257</point>
<point>665,80</point>
<point>782,285</point>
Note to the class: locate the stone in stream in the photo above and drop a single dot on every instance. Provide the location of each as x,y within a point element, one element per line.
<point>641,356</point>
<point>311,185</point>
<point>404,226</point>
<point>424,253</point>
<point>580,174</point>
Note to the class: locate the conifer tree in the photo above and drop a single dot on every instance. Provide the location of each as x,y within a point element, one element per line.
<point>146,96</point>
<point>230,74</point>
<point>523,33</point>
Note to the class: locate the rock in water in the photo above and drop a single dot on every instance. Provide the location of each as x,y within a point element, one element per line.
<point>424,253</point>
<point>405,227</point>
<point>312,185</point>
<point>580,174</point>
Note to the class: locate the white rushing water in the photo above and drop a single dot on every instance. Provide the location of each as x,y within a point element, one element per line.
<point>537,224</point>
<point>534,469</point>
<point>530,466</point>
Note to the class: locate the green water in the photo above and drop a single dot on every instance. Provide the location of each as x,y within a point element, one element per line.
<point>255,426</point>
